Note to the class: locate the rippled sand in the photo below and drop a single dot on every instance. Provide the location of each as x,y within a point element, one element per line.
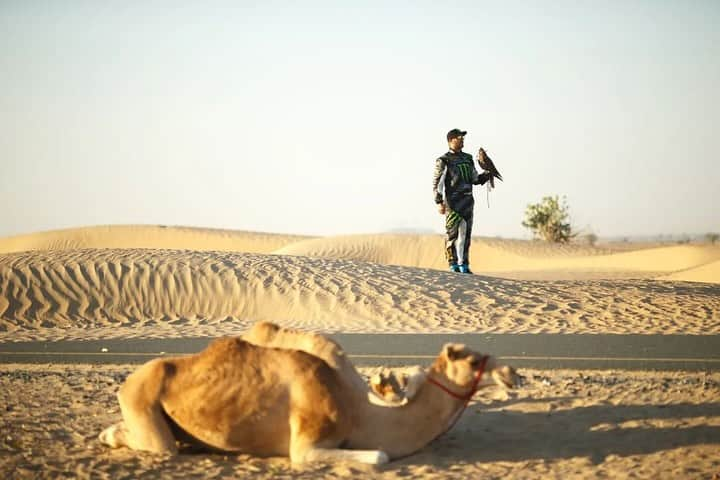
<point>100,293</point>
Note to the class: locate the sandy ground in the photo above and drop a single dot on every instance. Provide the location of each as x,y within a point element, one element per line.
<point>145,281</point>
<point>560,424</point>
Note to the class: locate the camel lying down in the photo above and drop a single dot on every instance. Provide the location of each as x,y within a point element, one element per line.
<point>238,396</point>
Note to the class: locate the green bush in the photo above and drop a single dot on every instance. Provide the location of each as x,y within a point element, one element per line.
<point>549,220</point>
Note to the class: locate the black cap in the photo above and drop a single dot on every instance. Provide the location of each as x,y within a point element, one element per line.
<point>455,133</point>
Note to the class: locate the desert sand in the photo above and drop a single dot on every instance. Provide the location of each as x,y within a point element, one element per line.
<point>148,236</point>
<point>560,424</point>
<point>156,281</point>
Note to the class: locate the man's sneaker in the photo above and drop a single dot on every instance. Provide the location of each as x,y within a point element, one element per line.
<point>454,267</point>
<point>464,269</point>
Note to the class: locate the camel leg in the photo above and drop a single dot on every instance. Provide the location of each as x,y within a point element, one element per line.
<point>305,447</point>
<point>144,427</point>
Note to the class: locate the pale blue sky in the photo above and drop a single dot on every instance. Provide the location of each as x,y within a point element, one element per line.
<point>326,118</point>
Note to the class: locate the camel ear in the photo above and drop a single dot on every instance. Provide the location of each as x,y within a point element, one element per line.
<point>453,351</point>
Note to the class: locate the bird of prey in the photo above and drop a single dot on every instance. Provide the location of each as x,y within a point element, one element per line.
<point>487,164</point>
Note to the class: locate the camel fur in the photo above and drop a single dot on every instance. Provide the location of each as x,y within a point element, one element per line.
<point>236,396</point>
<point>382,390</point>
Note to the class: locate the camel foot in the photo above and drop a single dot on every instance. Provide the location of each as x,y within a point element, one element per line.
<point>113,436</point>
<point>376,457</point>
<point>372,457</point>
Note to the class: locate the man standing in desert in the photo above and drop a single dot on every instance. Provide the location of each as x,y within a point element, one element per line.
<point>453,182</point>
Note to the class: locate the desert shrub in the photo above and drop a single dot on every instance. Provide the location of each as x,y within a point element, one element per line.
<point>712,237</point>
<point>549,220</point>
<point>590,238</point>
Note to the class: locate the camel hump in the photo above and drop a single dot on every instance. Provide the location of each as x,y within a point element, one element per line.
<point>234,348</point>
<point>225,346</point>
<point>268,334</point>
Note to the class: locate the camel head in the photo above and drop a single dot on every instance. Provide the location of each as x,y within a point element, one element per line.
<point>460,365</point>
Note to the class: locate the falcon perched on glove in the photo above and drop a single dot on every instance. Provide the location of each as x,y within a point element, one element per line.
<point>487,164</point>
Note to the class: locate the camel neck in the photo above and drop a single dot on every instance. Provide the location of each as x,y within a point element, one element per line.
<point>452,390</point>
<point>401,431</point>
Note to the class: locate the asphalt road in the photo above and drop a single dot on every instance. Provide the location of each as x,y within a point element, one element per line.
<point>626,352</point>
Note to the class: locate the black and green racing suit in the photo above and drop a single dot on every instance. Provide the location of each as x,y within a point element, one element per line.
<point>453,181</point>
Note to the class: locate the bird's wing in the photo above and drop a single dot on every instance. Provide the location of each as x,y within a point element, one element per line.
<point>493,169</point>
<point>487,164</point>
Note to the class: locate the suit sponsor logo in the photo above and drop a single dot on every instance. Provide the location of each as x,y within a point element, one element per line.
<point>465,171</point>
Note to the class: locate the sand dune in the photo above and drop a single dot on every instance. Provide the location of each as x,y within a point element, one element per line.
<point>408,250</point>
<point>516,259</point>
<point>136,292</point>
<point>646,263</point>
<point>512,258</point>
<point>709,272</point>
<point>215,281</point>
<point>426,251</point>
<point>148,236</point>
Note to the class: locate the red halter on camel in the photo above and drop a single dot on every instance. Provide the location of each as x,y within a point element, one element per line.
<point>466,397</point>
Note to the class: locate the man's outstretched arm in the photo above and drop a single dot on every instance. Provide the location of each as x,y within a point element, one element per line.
<point>482,178</point>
